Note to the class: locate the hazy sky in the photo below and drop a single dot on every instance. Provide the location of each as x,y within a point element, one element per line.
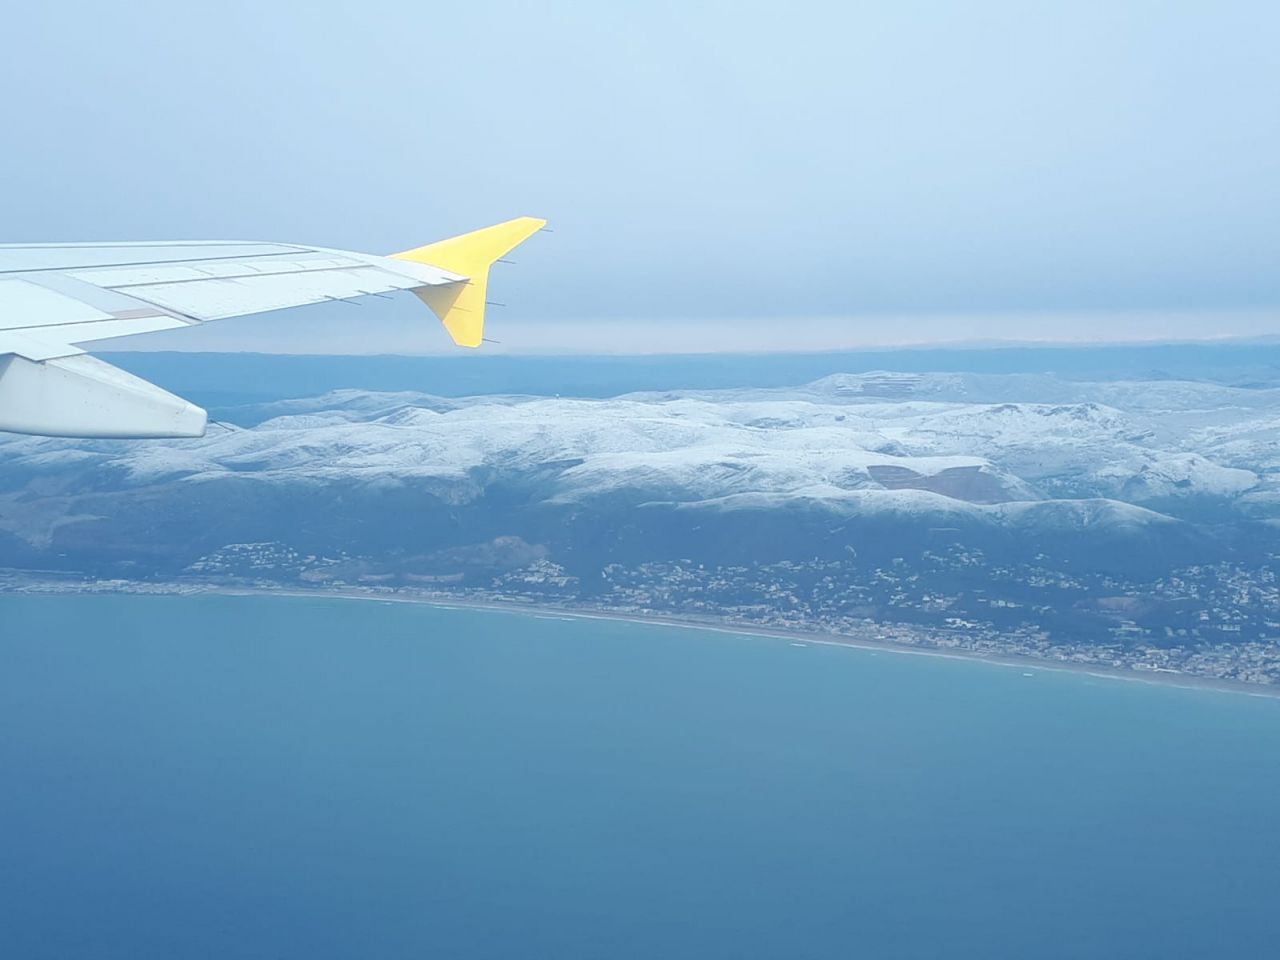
<point>1016,166</point>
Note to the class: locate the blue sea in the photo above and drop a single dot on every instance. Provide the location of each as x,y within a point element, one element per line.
<point>254,777</point>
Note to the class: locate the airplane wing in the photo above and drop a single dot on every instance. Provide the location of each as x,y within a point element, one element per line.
<point>55,297</point>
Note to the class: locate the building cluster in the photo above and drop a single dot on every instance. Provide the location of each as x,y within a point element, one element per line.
<point>1218,621</point>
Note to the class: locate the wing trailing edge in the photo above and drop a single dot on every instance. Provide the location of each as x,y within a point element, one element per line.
<point>460,306</point>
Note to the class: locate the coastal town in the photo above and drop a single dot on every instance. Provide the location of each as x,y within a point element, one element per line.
<point>1218,622</point>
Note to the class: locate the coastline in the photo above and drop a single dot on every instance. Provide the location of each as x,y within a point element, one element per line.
<point>1008,661</point>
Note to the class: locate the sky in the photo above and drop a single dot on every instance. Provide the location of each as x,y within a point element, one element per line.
<point>717,175</point>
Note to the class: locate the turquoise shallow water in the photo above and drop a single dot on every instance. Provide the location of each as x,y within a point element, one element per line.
<point>268,777</point>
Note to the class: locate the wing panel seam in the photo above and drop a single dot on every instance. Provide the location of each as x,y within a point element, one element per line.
<point>158,263</point>
<point>247,276</point>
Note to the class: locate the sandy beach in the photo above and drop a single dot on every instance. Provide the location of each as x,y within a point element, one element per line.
<point>1026,664</point>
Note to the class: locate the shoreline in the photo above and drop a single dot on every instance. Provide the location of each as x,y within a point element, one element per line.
<point>1009,661</point>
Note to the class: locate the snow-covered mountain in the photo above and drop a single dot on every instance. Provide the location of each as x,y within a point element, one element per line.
<point>1132,442</point>
<point>1001,452</point>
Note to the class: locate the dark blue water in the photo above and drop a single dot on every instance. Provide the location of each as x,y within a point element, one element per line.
<point>230,777</point>
<point>224,380</point>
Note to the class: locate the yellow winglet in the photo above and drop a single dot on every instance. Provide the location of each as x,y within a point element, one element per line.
<point>460,306</point>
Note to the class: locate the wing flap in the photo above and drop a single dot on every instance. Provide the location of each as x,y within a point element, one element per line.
<point>24,305</point>
<point>219,299</point>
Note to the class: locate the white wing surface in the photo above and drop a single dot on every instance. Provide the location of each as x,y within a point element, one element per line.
<point>55,297</point>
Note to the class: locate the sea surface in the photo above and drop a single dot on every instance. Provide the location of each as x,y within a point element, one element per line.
<point>222,381</point>
<point>257,777</point>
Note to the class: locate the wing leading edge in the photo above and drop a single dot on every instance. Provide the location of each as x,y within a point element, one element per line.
<point>54,297</point>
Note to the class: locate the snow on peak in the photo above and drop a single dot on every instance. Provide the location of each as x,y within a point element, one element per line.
<point>994,445</point>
